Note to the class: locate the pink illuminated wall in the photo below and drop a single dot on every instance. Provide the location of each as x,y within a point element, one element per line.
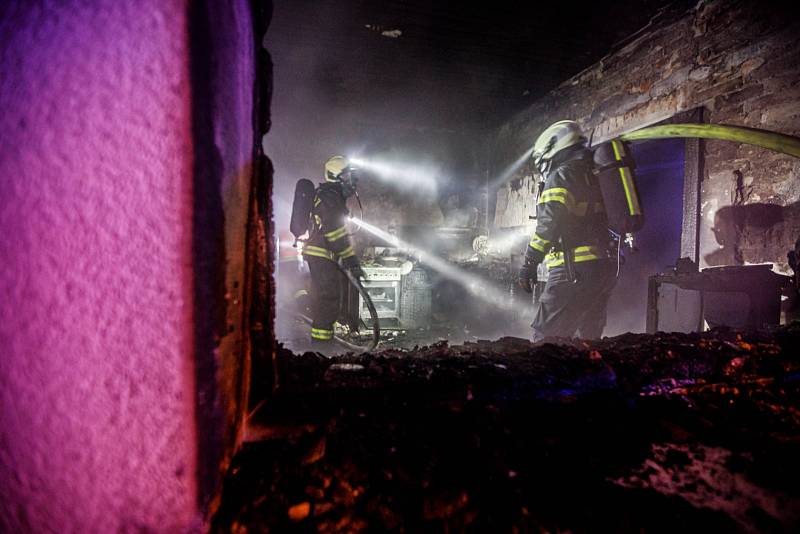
<point>98,427</point>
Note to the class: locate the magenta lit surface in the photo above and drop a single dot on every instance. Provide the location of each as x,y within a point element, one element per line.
<point>96,375</point>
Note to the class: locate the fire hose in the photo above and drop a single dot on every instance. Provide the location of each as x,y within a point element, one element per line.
<point>778,142</point>
<point>376,328</point>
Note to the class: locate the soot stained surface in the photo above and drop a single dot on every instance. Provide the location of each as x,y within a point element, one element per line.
<point>636,433</point>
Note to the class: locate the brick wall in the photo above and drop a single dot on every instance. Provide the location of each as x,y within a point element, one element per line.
<point>740,62</point>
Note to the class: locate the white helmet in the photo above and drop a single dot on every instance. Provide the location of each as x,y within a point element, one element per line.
<point>554,139</point>
<point>334,168</point>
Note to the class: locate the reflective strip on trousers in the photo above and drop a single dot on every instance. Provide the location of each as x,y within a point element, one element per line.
<point>321,333</point>
<point>346,253</point>
<point>311,250</point>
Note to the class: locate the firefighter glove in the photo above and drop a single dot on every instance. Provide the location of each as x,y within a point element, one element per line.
<point>527,276</point>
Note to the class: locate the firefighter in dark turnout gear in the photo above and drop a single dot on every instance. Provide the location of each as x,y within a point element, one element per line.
<point>328,243</point>
<point>571,238</point>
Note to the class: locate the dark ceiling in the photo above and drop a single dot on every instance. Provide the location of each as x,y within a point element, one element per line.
<point>443,62</point>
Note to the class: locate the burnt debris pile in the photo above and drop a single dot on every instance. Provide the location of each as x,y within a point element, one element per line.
<point>638,433</point>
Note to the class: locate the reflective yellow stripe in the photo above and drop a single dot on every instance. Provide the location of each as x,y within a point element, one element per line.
<point>633,202</point>
<point>559,190</point>
<point>619,149</point>
<point>556,194</point>
<point>563,196</point>
<point>317,201</point>
<point>553,198</point>
<point>627,183</point>
<point>346,253</point>
<point>311,250</point>
<point>539,243</point>
<point>299,293</point>
<point>584,253</point>
<point>321,333</point>
<point>322,330</point>
<point>335,235</point>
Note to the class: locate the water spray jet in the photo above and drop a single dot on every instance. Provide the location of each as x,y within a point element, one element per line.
<point>476,286</point>
<point>511,169</point>
<point>402,175</point>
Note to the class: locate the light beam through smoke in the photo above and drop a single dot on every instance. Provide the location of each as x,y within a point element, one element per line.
<point>503,246</point>
<point>402,175</point>
<point>510,170</point>
<point>475,285</point>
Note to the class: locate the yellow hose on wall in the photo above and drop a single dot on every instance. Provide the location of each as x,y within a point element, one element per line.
<point>785,144</point>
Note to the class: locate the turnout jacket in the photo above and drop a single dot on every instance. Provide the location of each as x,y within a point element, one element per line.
<point>328,235</point>
<point>570,212</point>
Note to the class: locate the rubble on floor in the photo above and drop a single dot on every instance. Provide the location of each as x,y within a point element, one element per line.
<point>638,433</point>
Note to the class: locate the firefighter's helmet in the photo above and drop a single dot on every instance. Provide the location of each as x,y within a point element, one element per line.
<point>334,168</point>
<point>554,139</point>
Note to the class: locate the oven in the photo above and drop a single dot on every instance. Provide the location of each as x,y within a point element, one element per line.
<point>382,284</point>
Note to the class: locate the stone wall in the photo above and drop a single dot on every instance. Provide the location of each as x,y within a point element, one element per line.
<point>737,60</point>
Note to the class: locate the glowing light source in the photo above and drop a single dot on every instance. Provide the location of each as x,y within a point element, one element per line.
<point>401,174</point>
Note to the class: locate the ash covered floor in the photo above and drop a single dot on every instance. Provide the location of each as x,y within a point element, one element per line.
<point>638,433</point>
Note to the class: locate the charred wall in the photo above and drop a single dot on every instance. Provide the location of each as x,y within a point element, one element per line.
<point>222,48</point>
<point>738,61</point>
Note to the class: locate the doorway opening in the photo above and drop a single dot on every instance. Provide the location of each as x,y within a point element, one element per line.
<point>659,170</point>
<point>668,175</point>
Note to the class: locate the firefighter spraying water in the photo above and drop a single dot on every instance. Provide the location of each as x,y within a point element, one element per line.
<point>587,208</point>
<point>322,213</point>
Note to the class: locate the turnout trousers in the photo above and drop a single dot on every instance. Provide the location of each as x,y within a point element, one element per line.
<point>567,307</point>
<point>325,289</point>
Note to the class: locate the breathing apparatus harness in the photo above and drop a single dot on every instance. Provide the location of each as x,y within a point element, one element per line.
<point>614,169</point>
